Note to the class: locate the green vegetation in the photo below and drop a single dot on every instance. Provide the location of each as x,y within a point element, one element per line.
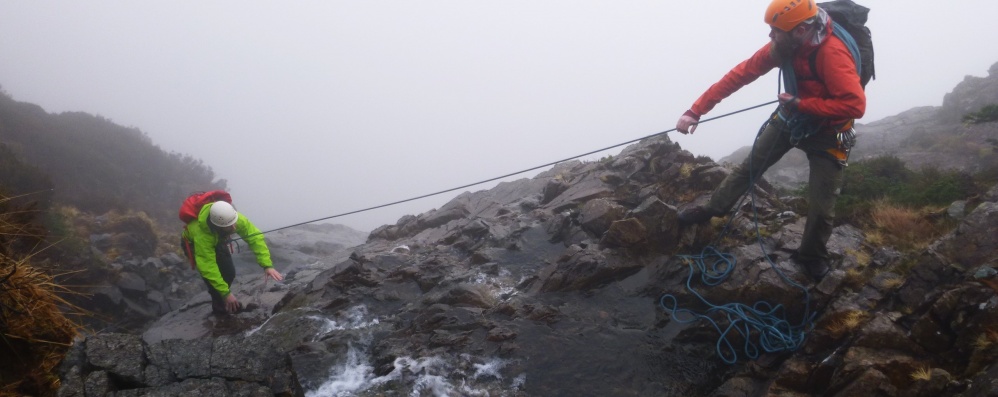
<point>887,178</point>
<point>986,114</point>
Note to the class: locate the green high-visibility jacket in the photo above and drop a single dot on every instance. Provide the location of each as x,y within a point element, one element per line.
<point>205,241</point>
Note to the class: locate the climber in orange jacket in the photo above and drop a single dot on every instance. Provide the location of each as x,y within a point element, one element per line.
<point>823,97</point>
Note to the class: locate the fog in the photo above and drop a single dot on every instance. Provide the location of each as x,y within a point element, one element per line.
<point>315,108</point>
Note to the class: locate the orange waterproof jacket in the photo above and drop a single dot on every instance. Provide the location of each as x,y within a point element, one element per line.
<point>834,94</point>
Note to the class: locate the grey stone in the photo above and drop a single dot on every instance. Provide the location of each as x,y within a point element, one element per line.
<point>121,355</point>
<point>129,281</point>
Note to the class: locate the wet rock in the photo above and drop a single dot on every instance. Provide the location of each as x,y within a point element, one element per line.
<point>595,216</point>
<point>627,233</point>
<point>107,295</point>
<point>72,384</point>
<point>578,194</point>
<point>581,269</point>
<point>869,382</point>
<point>793,375</point>
<point>661,222</point>
<point>957,210</point>
<point>472,295</point>
<point>935,385</point>
<point>101,242</point>
<point>448,338</point>
<point>453,211</point>
<point>984,383</point>
<point>885,257</point>
<point>234,357</point>
<point>974,234</point>
<point>128,281</point>
<point>121,355</point>
<point>500,334</point>
<point>738,387</point>
<point>183,358</point>
<point>98,384</point>
<point>894,366</point>
<point>552,189</point>
<point>882,333</point>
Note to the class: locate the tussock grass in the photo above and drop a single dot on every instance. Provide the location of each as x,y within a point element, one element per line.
<point>893,282</point>
<point>986,340</point>
<point>34,330</point>
<point>856,277</point>
<point>923,373</point>
<point>846,322</point>
<point>903,227</point>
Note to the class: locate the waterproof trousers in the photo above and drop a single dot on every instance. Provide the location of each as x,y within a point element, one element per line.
<point>223,259</point>
<point>824,182</point>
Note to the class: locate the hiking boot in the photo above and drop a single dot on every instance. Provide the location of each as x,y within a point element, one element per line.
<point>218,309</point>
<point>696,215</point>
<point>814,268</point>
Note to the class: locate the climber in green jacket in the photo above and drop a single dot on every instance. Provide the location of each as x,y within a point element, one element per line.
<point>209,236</point>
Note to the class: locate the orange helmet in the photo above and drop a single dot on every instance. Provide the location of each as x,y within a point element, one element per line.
<point>787,14</point>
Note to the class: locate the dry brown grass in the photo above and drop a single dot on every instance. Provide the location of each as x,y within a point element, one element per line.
<point>902,227</point>
<point>923,373</point>
<point>34,331</point>
<point>856,277</point>
<point>986,340</point>
<point>863,259</point>
<point>893,282</point>
<point>847,322</point>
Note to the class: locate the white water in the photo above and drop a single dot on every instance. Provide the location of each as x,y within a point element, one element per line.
<point>436,376</point>
<point>353,318</point>
<point>502,286</point>
<point>425,376</point>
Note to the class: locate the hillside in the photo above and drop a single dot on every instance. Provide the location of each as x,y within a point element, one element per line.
<point>96,165</point>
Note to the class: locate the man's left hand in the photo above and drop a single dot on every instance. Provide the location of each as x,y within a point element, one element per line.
<point>274,274</point>
<point>789,100</point>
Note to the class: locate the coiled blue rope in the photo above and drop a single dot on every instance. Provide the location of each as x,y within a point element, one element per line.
<point>764,327</point>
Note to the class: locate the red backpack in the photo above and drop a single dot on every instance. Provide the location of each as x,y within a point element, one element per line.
<point>190,209</point>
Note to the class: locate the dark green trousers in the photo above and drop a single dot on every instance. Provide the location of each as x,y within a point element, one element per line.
<point>824,182</point>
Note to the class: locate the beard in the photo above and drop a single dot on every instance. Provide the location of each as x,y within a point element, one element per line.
<point>783,50</point>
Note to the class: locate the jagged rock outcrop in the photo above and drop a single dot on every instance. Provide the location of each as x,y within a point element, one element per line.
<point>557,285</point>
<point>554,283</point>
<point>970,95</point>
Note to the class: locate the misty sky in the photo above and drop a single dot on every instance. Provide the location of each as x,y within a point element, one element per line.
<point>315,108</point>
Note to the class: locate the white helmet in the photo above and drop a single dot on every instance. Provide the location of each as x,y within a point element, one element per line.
<point>222,214</point>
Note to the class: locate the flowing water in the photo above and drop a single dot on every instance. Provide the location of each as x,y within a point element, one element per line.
<point>415,376</point>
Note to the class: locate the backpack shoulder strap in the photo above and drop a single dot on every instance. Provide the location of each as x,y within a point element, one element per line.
<point>840,32</point>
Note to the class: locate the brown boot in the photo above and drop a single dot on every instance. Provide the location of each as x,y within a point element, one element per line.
<point>815,268</point>
<point>696,215</point>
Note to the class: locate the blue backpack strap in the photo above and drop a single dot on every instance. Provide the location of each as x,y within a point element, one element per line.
<point>850,43</point>
<point>789,77</point>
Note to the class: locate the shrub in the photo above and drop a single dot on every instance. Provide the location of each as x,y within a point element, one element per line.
<point>986,114</point>
<point>887,178</point>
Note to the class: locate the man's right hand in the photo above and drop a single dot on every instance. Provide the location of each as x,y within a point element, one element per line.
<point>688,122</point>
<point>232,304</point>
